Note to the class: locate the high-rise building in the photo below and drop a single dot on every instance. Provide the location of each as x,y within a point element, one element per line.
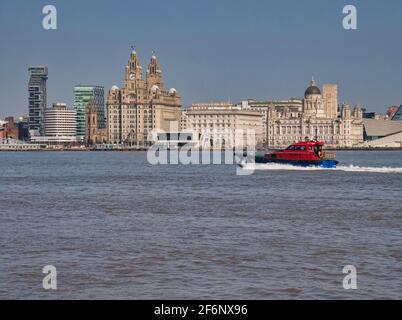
<point>141,106</point>
<point>83,94</point>
<point>37,99</point>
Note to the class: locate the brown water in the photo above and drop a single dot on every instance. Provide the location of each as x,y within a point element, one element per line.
<point>116,227</point>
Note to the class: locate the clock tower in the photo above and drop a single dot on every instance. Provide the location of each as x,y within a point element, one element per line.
<point>154,75</point>
<point>141,106</point>
<point>134,85</point>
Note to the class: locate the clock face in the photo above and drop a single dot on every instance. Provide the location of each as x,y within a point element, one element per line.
<point>132,76</point>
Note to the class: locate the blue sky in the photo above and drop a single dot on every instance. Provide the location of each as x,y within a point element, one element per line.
<point>210,50</point>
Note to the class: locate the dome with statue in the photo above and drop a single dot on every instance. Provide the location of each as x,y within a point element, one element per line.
<point>312,89</point>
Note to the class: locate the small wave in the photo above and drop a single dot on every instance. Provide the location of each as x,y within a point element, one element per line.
<point>351,168</point>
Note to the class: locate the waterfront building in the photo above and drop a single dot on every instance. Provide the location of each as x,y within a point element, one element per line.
<point>94,135</point>
<point>218,124</point>
<point>2,132</point>
<point>375,129</point>
<point>398,114</point>
<point>7,144</point>
<point>141,106</point>
<point>319,119</point>
<point>183,120</point>
<point>9,129</point>
<point>60,125</point>
<point>294,106</point>
<point>381,134</point>
<point>23,128</point>
<point>82,95</point>
<point>37,99</point>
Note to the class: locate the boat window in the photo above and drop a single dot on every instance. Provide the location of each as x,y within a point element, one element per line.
<point>291,148</point>
<point>318,150</point>
<point>300,148</point>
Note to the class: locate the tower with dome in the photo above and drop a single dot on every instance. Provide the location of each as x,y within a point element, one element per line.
<point>319,118</point>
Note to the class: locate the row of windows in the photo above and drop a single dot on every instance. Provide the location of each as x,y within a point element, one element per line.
<point>211,116</point>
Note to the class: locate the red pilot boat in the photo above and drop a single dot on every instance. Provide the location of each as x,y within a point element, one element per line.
<point>307,153</point>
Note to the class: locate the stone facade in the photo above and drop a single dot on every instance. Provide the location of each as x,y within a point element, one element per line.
<point>223,125</point>
<point>319,119</point>
<point>293,106</point>
<point>141,106</point>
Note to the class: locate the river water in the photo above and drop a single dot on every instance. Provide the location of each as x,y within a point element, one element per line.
<point>116,227</point>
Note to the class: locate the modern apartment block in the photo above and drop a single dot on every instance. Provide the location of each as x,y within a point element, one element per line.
<point>37,99</point>
<point>60,121</point>
<point>59,125</point>
<point>82,95</point>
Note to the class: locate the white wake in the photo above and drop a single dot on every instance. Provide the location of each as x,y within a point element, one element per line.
<point>351,168</point>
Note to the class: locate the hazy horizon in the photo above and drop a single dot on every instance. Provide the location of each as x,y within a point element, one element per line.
<point>208,50</point>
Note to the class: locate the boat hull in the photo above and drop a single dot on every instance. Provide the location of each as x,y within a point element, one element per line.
<point>324,163</point>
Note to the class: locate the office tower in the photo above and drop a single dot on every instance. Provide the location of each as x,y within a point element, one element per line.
<point>83,94</point>
<point>37,99</point>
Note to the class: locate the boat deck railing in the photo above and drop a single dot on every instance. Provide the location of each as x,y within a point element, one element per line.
<point>329,155</point>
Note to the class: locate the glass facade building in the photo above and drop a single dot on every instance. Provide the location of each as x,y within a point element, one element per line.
<point>82,95</point>
<point>398,114</point>
<point>37,98</point>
